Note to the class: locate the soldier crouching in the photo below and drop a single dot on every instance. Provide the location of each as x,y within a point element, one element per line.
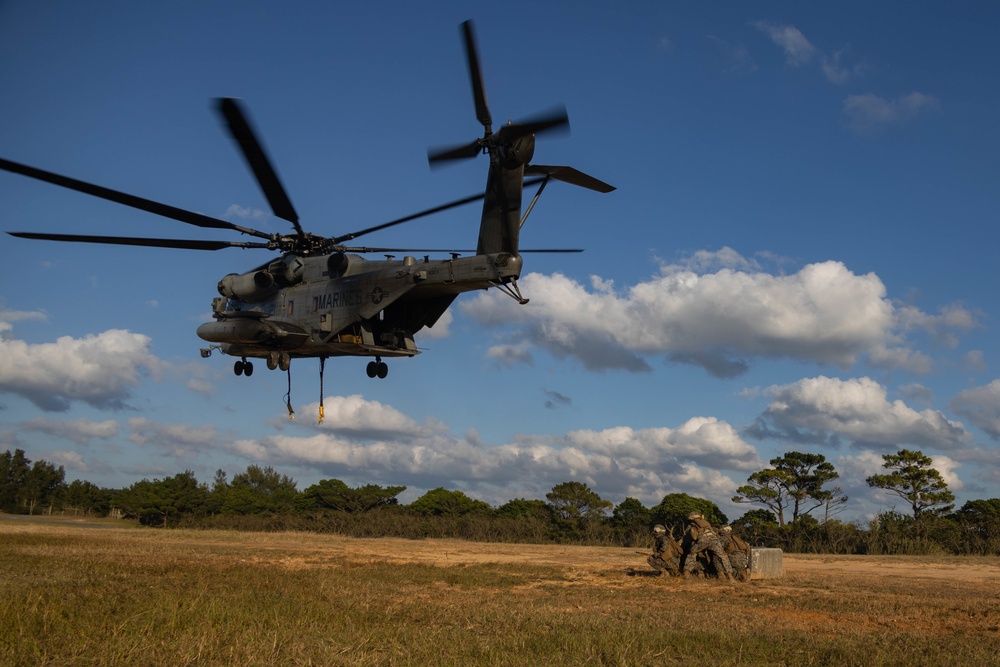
<point>666,552</point>
<point>699,537</point>
<point>738,551</point>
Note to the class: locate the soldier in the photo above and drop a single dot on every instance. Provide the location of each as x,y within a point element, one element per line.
<point>738,551</point>
<point>699,537</point>
<point>666,552</point>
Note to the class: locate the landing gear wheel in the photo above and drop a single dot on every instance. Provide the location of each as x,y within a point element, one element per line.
<point>243,367</point>
<point>284,361</point>
<point>272,360</point>
<point>377,368</point>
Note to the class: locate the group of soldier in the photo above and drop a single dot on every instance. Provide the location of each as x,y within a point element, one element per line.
<point>703,551</point>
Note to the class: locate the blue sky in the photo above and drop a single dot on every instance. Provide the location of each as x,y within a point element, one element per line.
<point>800,255</point>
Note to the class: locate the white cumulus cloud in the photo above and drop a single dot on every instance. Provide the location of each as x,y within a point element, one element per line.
<point>621,461</point>
<point>98,369</point>
<point>176,440</point>
<point>81,431</point>
<point>719,321</point>
<point>981,406</point>
<point>830,411</point>
<point>365,419</point>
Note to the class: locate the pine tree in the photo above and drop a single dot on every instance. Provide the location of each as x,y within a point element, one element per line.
<point>915,481</point>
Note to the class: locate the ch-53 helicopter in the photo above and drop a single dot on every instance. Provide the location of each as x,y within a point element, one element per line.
<point>321,298</point>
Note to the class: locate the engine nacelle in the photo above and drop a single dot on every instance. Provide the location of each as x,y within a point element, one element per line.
<point>338,264</point>
<point>249,287</point>
<point>288,270</point>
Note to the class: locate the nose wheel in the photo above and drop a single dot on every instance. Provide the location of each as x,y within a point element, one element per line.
<point>377,368</point>
<point>243,367</point>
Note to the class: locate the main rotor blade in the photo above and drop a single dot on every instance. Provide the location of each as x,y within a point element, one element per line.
<point>569,175</point>
<point>421,214</point>
<point>185,244</point>
<point>476,75</point>
<point>522,250</point>
<point>253,151</point>
<point>196,219</point>
<point>365,249</point>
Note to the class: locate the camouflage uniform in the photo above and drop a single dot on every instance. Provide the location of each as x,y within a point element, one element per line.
<point>738,552</point>
<point>666,554</point>
<point>699,537</point>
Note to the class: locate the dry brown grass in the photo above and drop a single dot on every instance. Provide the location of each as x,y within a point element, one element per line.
<point>74,595</point>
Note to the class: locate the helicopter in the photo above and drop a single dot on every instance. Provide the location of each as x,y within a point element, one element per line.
<point>321,298</point>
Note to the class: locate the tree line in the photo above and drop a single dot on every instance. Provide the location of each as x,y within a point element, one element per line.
<point>797,497</point>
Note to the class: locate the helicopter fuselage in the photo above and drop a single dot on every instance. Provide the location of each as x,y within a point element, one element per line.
<point>344,305</point>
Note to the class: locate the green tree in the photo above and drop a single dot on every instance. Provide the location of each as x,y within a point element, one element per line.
<point>834,503</point>
<point>157,502</point>
<point>88,498</point>
<point>805,475</point>
<point>336,495</point>
<point>442,502</point>
<point>44,485</point>
<point>520,508</point>
<point>523,520</point>
<point>841,538</point>
<point>14,469</point>
<point>914,480</point>
<point>578,513</point>
<point>765,487</point>
<point>673,511</point>
<point>573,501</point>
<point>795,481</point>
<point>759,528</point>
<point>631,513</point>
<point>980,521</point>
<point>632,519</point>
<point>217,497</point>
<point>890,533</point>
<point>260,491</point>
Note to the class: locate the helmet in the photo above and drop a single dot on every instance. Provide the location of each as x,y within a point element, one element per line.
<point>658,529</point>
<point>727,529</point>
<point>695,515</point>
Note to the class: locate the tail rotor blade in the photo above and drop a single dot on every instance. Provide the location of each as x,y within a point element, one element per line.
<point>552,120</point>
<point>555,119</point>
<point>462,152</point>
<point>476,75</point>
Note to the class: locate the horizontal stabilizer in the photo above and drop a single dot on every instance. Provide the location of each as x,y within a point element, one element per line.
<point>569,175</point>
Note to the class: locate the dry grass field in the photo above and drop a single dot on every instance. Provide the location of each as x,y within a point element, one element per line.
<point>85,595</point>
